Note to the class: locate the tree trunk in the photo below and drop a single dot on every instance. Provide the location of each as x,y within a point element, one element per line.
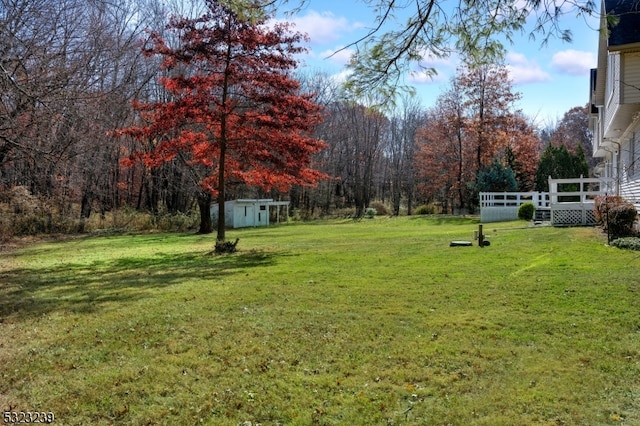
<point>204,204</point>
<point>460,168</point>
<point>85,205</point>
<point>396,191</point>
<point>221,229</point>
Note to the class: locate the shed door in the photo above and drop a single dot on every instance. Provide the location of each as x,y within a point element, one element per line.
<point>246,215</point>
<point>262,217</point>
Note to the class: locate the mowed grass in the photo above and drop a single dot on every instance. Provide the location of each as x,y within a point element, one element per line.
<point>330,323</point>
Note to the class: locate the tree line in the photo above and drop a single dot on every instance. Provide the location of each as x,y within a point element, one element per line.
<point>70,70</point>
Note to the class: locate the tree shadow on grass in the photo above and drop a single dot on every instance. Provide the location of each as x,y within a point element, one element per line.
<point>87,287</point>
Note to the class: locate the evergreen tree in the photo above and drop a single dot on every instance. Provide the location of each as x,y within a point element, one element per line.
<point>498,177</point>
<point>558,163</point>
<point>580,162</point>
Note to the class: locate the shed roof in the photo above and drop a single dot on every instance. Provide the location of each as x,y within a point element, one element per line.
<point>254,200</point>
<point>268,201</point>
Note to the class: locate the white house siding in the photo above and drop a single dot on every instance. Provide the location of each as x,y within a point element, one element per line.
<point>631,192</point>
<point>612,93</point>
<point>630,158</point>
<point>630,173</point>
<point>630,78</point>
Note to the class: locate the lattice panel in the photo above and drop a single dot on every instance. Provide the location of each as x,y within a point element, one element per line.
<point>566,217</point>
<point>573,217</point>
<point>590,217</point>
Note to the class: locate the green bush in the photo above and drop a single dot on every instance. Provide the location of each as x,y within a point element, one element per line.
<point>370,212</point>
<point>630,243</point>
<point>526,211</point>
<point>424,209</point>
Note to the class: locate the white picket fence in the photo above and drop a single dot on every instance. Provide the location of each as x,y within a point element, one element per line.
<point>567,208</point>
<point>503,206</point>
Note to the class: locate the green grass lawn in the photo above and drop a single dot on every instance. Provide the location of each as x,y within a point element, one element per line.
<point>330,323</point>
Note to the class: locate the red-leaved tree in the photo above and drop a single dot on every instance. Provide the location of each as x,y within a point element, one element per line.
<point>234,111</point>
<point>473,124</point>
<point>443,161</point>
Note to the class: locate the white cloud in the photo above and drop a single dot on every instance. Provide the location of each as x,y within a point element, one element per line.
<point>524,71</point>
<point>573,62</point>
<point>421,77</point>
<point>342,76</point>
<point>323,28</point>
<point>430,60</point>
<point>443,66</point>
<point>340,56</point>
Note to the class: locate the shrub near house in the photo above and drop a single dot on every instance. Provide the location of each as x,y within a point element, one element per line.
<point>616,215</point>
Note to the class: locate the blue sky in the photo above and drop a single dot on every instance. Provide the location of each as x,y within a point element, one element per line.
<point>551,79</point>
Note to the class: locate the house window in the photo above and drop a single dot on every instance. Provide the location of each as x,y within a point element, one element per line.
<point>633,166</point>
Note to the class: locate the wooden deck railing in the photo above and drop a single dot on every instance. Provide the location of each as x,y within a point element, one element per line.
<point>503,206</point>
<point>570,201</point>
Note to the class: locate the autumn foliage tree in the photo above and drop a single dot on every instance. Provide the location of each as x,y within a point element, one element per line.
<point>573,131</point>
<point>489,102</point>
<point>235,114</point>
<point>440,158</point>
<point>523,151</point>
<point>473,125</point>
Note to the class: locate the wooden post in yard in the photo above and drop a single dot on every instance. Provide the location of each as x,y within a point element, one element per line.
<point>480,236</point>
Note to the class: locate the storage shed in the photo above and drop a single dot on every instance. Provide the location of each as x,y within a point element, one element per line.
<point>244,213</point>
